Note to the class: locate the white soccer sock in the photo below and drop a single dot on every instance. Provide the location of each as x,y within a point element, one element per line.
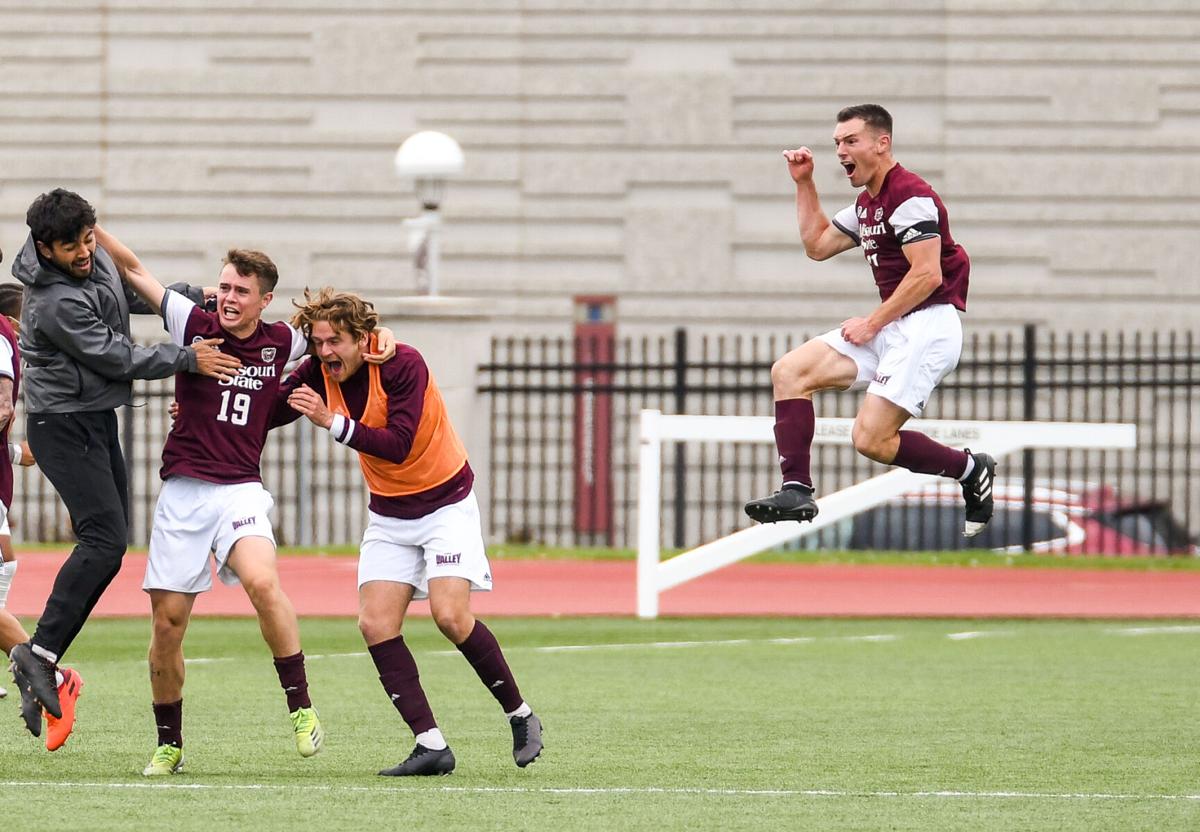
<point>58,678</point>
<point>524,710</point>
<point>432,739</point>
<point>7,571</point>
<point>44,653</point>
<point>970,468</point>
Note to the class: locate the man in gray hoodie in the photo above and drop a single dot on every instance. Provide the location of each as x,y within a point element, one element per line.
<point>79,366</point>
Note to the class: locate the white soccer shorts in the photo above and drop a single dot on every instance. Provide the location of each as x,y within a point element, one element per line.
<point>448,543</point>
<point>908,358</point>
<point>194,519</point>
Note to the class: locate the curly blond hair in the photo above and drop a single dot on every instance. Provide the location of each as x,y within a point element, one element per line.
<point>344,311</point>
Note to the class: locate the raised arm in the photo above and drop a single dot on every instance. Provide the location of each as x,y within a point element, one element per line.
<point>132,271</point>
<point>822,239</point>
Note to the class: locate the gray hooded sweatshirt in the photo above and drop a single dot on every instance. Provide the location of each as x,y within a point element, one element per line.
<point>75,337</point>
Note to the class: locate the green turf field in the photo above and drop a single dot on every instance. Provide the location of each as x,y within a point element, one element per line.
<point>739,724</point>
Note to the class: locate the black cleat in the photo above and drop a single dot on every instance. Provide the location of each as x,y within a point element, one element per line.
<point>31,711</point>
<point>39,676</point>
<point>423,762</point>
<point>527,738</point>
<point>792,502</point>
<point>977,492</point>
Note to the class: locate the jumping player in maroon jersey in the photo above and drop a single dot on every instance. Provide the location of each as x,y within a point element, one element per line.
<point>900,351</point>
<point>212,500</point>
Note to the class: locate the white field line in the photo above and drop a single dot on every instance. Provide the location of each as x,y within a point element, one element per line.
<point>1174,629</point>
<point>674,645</point>
<point>968,635</point>
<point>618,791</point>
<point>578,648</point>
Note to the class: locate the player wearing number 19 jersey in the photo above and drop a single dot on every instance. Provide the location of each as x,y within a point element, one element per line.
<point>212,500</point>
<point>220,431</point>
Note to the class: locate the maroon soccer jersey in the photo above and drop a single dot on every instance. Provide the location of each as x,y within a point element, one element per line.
<point>905,211</point>
<point>222,425</point>
<point>11,370</point>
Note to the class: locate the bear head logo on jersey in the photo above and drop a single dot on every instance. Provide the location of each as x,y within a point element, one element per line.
<point>268,354</point>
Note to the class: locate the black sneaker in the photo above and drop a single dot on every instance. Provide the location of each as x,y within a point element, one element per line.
<point>31,711</point>
<point>39,675</point>
<point>977,492</point>
<point>423,762</point>
<point>792,502</point>
<point>527,738</point>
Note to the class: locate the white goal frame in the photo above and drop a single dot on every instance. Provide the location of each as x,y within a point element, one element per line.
<point>654,576</point>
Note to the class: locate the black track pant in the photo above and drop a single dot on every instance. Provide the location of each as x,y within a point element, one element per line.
<point>81,456</point>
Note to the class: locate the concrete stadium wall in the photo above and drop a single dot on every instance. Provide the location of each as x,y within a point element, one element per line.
<point>622,147</point>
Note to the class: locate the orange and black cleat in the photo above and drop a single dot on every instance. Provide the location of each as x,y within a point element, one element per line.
<point>57,730</point>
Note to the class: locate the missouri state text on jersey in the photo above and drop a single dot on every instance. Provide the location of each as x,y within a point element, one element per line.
<point>905,211</point>
<point>222,425</point>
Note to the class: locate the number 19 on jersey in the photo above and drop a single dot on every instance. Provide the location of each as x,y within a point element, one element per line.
<point>239,414</point>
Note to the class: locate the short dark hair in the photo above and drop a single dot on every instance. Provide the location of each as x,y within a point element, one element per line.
<point>59,217</point>
<point>872,115</point>
<point>11,296</point>
<point>250,263</point>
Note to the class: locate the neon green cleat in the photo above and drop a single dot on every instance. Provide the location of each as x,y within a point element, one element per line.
<point>167,759</point>
<point>309,734</point>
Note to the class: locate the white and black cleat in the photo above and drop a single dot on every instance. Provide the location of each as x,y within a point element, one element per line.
<point>977,493</point>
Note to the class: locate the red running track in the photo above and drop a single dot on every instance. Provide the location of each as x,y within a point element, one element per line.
<point>326,586</point>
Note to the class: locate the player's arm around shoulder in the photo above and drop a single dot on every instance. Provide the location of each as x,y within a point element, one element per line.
<point>385,346</point>
<point>132,270</point>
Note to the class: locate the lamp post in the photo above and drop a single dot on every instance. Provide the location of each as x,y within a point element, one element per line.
<point>429,158</point>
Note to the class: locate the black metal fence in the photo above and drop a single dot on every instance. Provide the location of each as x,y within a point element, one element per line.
<point>564,420</point>
<point>320,496</point>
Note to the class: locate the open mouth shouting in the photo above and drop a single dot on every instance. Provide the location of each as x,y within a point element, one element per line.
<point>335,367</point>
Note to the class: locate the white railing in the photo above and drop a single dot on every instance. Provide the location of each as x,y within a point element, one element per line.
<point>654,577</point>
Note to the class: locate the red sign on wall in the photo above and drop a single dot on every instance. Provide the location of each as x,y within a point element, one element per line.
<point>595,337</point>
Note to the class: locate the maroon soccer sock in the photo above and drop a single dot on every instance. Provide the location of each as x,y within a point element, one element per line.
<point>402,681</point>
<point>168,718</point>
<point>919,453</point>
<point>293,681</point>
<point>484,654</point>
<point>795,424</point>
